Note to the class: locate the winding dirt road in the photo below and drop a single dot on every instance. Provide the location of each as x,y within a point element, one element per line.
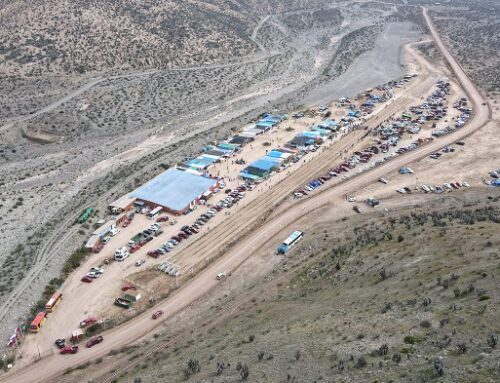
<point>201,284</point>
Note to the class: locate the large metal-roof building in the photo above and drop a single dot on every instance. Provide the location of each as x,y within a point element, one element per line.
<point>174,190</point>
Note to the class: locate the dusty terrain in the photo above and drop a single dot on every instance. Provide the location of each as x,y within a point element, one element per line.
<point>326,311</point>
<point>69,140</point>
<point>123,166</point>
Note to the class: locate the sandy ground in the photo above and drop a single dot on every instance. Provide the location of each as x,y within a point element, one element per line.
<point>121,128</point>
<point>80,298</point>
<point>381,64</point>
<point>274,230</point>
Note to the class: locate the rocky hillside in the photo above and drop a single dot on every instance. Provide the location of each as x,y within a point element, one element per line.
<point>410,297</point>
<point>81,36</point>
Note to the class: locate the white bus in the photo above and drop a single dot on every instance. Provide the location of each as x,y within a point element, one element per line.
<point>153,214</point>
<point>295,237</point>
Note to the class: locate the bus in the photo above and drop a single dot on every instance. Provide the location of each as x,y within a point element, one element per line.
<point>38,322</point>
<point>153,214</point>
<point>295,237</point>
<point>53,302</point>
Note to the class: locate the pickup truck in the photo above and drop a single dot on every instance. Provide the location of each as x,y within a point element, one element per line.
<point>125,303</point>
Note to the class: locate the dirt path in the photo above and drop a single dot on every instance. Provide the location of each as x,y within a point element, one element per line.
<point>271,231</point>
<point>86,87</point>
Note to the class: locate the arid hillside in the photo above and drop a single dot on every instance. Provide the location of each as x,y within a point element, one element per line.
<point>93,36</point>
<point>409,296</point>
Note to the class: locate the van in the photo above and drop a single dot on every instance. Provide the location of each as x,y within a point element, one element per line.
<point>121,254</point>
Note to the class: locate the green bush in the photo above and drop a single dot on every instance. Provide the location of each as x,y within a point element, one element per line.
<point>410,339</point>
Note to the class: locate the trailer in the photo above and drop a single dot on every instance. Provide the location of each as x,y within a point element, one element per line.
<point>86,214</point>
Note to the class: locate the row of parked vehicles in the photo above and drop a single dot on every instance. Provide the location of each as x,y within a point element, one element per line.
<point>94,273</point>
<point>73,348</point>
<point>436,189</point>
<point>185,233</point>
<point>232,197</point>
<point>357,157</point>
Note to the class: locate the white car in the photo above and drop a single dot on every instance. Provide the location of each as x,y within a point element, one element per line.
<point>426,188</point>
<point>466,184</point>
<point>121,254</point>
<point>401,190</point>
<point>93,274</point>
<point>114,231</point>
<point>448,186</point>
<point>351,199</point>
<point>139,262</point>
<point>220,276</point>
<point>308,188</point>
<point>383,180</point>
<point>97,269</point>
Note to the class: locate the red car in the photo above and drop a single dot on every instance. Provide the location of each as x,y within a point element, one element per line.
<point>88,321</point>
<point>157,314</point>
<point>87,279</point>
<point>125,223</point>
<point>69,350</point>
<point>162,219</point>
<point>134,248</point>
<point>128,287</point>
<point>94,340</point>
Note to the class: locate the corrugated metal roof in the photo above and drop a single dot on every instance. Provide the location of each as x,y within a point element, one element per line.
<point>174,189</point>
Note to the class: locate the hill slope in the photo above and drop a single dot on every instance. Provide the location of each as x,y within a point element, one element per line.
<point>409,297</point>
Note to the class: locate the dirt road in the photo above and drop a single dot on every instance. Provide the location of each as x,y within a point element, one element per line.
<point>270,231</point>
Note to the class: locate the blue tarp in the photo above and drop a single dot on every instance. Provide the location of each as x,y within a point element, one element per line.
<point>199,163</point>
<point>174,189</point>
<point>225,145</point>
<point>275,153</point>
<point>265,124</point>
<point>265,163</point>
<point>310,134</point>
<point>249,176</point>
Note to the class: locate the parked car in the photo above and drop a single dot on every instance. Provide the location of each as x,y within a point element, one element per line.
<point>220,276</point>
<point>94,340</point>
<point>93,274</point>
<point>60,343</point>
<point>134,248</point>
<point>157,314</point>
<point>140,262</point>
<point>88,321</point>
<point>87,279</point>
<point>69,349</point>
<point>97,269</point>
<point>162,219</point>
